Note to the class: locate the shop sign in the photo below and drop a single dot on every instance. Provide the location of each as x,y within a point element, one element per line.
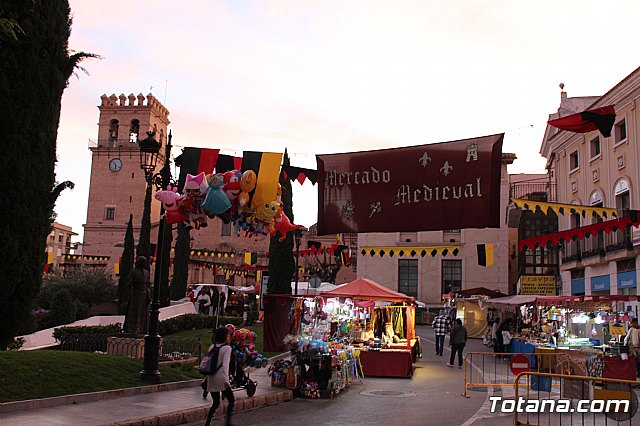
<point>635,235</point>
<point>577,286</point>
<point>519,364</point>
<point>541,285</point>
<point>616,330</point>
<point>600,283</point>
<point>627,279</point>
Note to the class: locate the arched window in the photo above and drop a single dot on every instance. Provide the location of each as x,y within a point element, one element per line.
<point>113,132</point>
<point>595,245</point>
<point>621,192</point>
<point>134,130</point>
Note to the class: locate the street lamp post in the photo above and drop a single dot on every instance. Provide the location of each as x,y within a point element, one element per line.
<point>149,149</point>
<point>297,236</point>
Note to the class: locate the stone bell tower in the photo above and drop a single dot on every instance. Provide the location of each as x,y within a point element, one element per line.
<point>117,184</point>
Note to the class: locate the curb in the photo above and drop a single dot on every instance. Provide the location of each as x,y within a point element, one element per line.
<point>199,413</point>
<point>33,404</point>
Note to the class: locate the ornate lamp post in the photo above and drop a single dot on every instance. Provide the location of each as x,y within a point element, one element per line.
<point>297,237</point>
<point>149,149</point>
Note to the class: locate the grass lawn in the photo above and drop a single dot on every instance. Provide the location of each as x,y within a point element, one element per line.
<point>48,373</point>
<point>204,335</point>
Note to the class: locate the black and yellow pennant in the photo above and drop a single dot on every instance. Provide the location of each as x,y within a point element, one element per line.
<point>410,251</point>
<point>85,257</point>
<point>561,209</point>
<point>213,253</point>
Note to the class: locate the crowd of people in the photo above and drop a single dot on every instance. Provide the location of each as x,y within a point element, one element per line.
<point>209,301</point>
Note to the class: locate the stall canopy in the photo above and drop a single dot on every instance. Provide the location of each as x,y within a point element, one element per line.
<point>480,291</point>
<point>473,316</point>
<point>366,289</point>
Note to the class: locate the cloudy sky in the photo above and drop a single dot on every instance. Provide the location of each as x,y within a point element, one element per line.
<point>336,76</point>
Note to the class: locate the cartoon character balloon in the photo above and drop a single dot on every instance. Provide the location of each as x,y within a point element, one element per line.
<point>195,190</point>
<point>170,201</point>
<point>216,200</point>
<point>282,224</point>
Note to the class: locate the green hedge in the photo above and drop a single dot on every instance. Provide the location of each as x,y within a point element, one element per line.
<point>195,322</point>
<point>166,327</point>
<point>59,333</point>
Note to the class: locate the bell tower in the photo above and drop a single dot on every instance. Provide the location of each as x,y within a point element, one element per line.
<point>117,184</point>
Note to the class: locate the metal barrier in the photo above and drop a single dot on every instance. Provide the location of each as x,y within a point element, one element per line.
<point>574,399</point>
<point>488,369</point>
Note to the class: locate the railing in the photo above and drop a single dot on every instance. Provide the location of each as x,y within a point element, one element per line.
<point>488,369</point>
<point>597,245</point>
<point>547,392</point>
<point>542,191</point>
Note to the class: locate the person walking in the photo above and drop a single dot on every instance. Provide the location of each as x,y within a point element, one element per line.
<point>219,382</point>
<point>204,301</point>
<point>221,302</point>
<point>214,301</point>
<point>632,340</point>
<point>441,326</point>
<point>457,341</point>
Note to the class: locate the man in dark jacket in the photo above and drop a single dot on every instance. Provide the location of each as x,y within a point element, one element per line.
<point>457,340</point>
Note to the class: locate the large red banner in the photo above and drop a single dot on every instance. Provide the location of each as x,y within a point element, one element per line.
<point>448,185</point>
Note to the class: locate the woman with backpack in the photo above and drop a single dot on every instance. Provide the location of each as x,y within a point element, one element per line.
<point>219,381</point>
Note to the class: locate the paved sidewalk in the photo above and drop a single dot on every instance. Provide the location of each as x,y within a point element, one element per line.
<point>159,408</point>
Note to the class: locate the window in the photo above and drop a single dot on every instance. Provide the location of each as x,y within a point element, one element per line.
<point>573,161</point>
<point>620,131</point>
<point>595,147</point>
<point>109,213</point>
<point>451,276</point>
<point>113,132</point>
<point>225,230</point>
<point>60,238</point>
<point>408,277</point>
<point>134,131</point>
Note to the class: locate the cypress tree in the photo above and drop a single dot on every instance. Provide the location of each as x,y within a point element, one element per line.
<point>35,67</point>
<point>126,266</point>
<point>144,242</point>
<point>181,263</point>
<point>281,263</point>
<point>166,265</point>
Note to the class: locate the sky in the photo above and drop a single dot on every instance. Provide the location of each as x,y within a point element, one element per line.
<point>319,77</point>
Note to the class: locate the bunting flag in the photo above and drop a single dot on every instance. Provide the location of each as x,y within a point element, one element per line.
<point>227,267</point>
<point>227,162</point>
<point>485,254</point>
<point>212,253</point>
<point>300,174</point>
<point>85,257</point>
<point>580,232</point>
<point>560,208</point>
<point>266,165</point>
<point>250,258</point>
<point>193,161</point>
<point>601,119</point>
<point>410,251</point>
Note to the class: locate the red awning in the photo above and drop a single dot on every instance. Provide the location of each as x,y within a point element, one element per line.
<point>579,233</point>
<point>365,289</point>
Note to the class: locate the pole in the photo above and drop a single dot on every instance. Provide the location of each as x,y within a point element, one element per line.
<point>152,339</point>
<point>297,238</point>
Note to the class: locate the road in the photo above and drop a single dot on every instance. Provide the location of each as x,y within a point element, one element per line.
<point>432,397</point>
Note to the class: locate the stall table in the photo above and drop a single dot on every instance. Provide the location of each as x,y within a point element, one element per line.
<point>387,363</point>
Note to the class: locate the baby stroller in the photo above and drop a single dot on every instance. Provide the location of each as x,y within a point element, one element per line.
<point>239,376</point>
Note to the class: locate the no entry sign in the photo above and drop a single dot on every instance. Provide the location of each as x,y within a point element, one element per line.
<point>519,364</point>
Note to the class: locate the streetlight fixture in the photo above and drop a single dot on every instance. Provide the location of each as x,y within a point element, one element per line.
<point>149,150</point>
<point>297,237</point>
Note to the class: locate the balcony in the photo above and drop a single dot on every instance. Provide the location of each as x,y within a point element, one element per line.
<point>544,192</point>
<point>615,243</point>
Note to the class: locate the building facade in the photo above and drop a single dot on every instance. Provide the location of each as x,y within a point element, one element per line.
<point>593,170</point>
<point>431,278</point>
<point>117,190</point>
<point>59,244</point>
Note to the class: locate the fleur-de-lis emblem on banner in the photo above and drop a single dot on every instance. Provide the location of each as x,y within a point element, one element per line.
<point>446,168</point>
<point>424,160</point>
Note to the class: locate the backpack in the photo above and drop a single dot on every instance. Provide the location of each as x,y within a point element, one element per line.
<point>209,364</point>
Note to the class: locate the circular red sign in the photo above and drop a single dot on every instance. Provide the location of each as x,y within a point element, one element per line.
<point>519,364</point>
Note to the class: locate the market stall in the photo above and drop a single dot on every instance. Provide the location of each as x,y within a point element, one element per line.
<point>584,333</point>
<point>388,343</point>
